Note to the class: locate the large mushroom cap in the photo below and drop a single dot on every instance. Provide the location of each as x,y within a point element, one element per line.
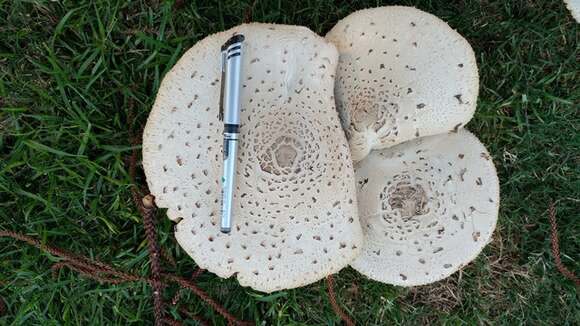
<point>295,218</point>
<point>427,208</point>
<point>402,74</point>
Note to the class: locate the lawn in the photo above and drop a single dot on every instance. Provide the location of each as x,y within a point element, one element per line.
<point>69,70</point>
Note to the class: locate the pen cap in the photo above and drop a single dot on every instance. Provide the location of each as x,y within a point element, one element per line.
<point>232,51</point>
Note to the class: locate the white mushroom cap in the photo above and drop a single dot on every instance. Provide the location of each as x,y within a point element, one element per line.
<point>402,74</point>
<point>427,208</point>
<point>574,7</point>
<point>295,219</point>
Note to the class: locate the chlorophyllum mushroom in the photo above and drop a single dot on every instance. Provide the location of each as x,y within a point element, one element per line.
<point>402,74</point>
<point>295,218</point>
<point>427,208</point>
<point>574,7</point>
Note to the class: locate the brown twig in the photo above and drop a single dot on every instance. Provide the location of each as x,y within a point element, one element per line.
<point>198,319</point>
<point>177,295</point>
<point>200,293</point>
<point>332,296</point>
<point>171,322</point>
<point>197,273</point>
<point>82,264</point>
<point>556,246</point>
<point>146,207</point>
<point>90,271</point>
<point>248,12</point>
<point>166,255</point>
<point>107,274</point>
<point>148,212</point>
<point>135,141</point>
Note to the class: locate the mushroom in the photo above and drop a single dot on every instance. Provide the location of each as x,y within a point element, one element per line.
<point>574,7</point>
<point>402,74</point>
<point>295,216</point>
<point>427,208</point>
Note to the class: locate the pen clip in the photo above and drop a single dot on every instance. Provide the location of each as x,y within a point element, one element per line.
<point>223,84</point>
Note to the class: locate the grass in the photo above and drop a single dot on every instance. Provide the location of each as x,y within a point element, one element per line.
<point>68,69</point>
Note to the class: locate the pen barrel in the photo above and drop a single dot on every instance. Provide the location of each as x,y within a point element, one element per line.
<point>228,179</point>
<point>232,89</point>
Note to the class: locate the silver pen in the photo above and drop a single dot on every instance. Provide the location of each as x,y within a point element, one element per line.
<point>231,62</point>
